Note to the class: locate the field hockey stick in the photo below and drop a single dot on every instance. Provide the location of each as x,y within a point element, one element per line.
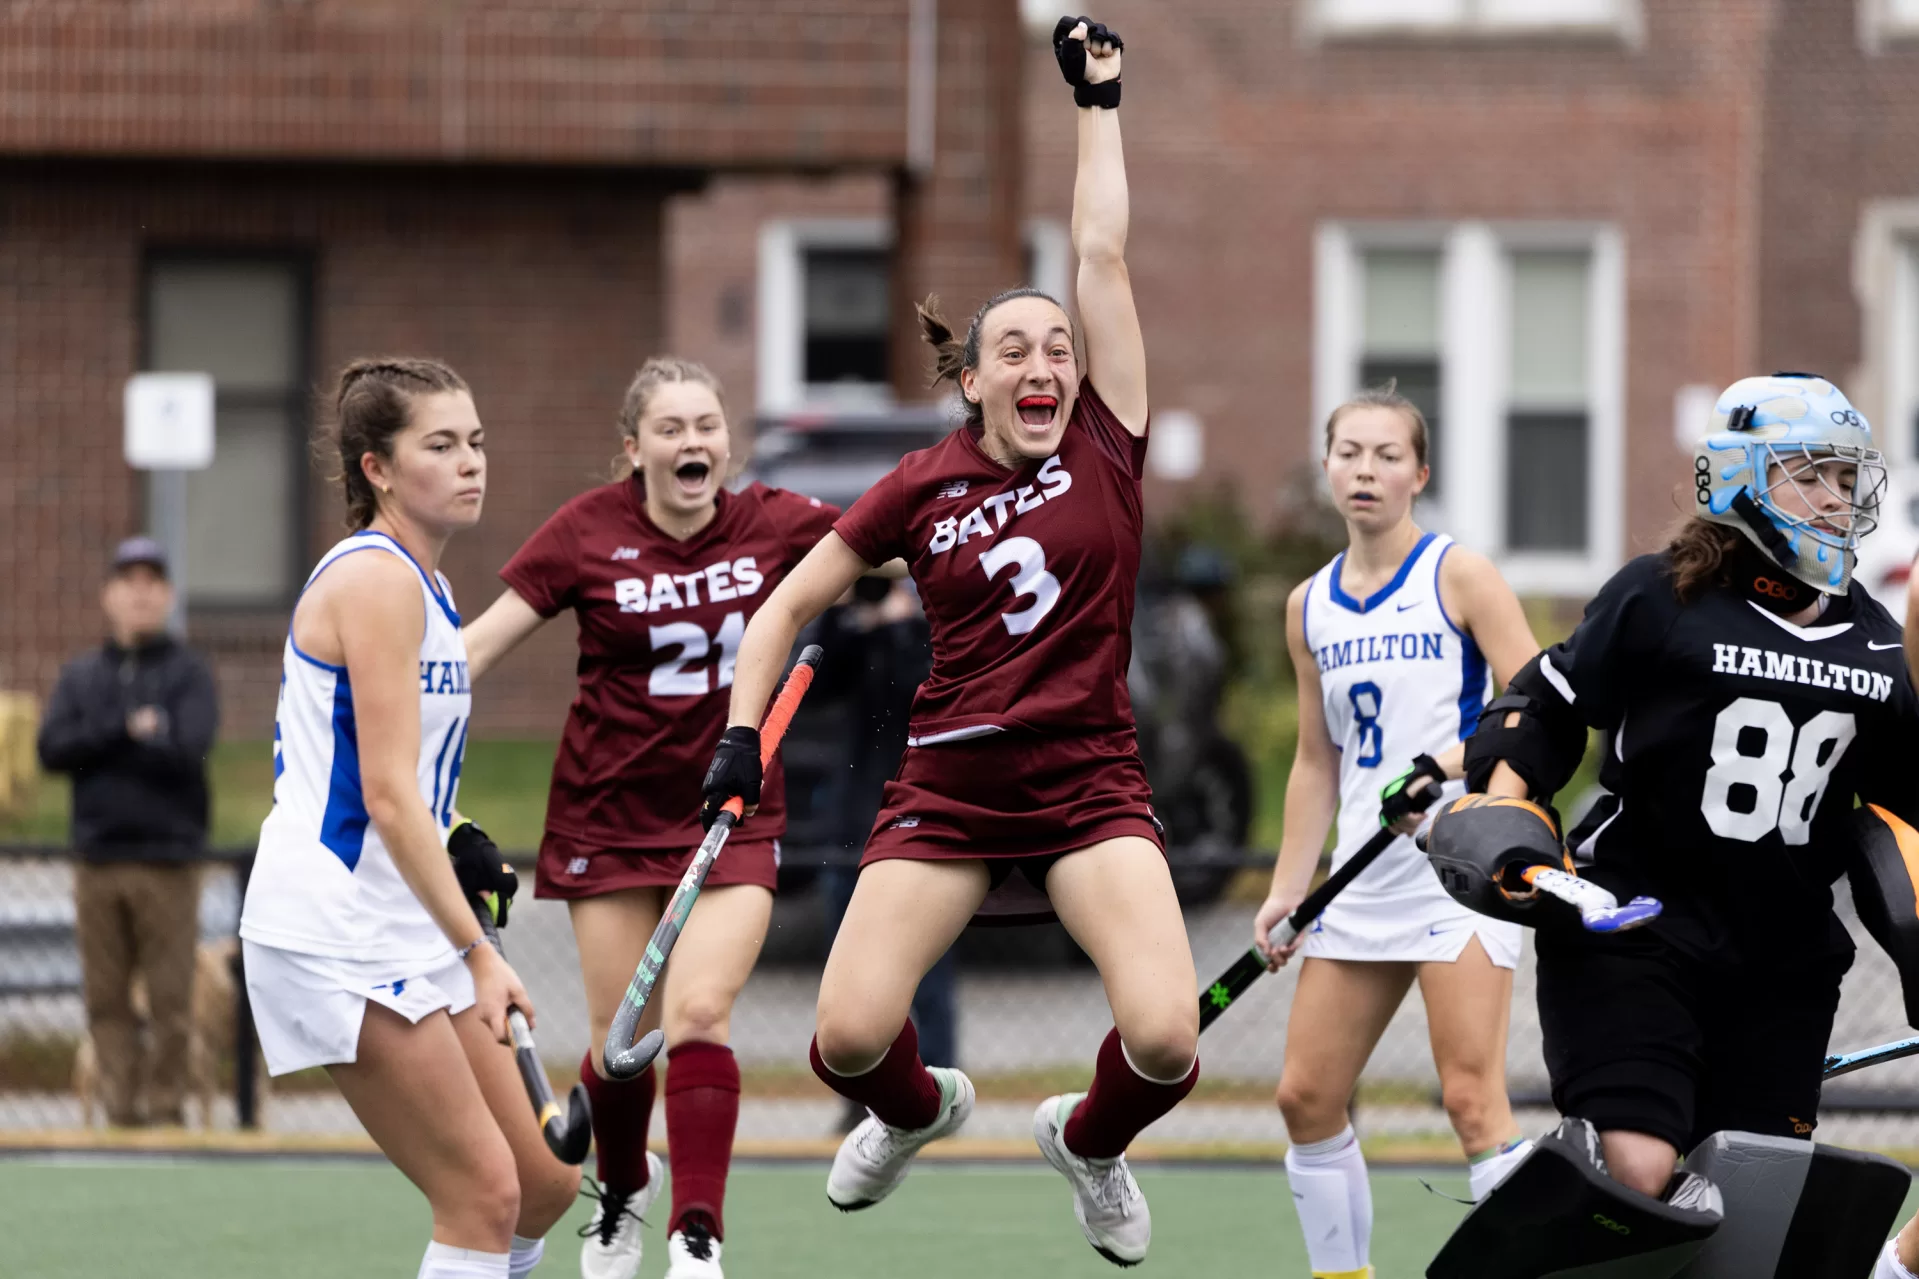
<point>1251,966</point>
<point>1845,1063</point>
<point>622,1057</point>
<point>568,1135</point>
<point>1598,909</point>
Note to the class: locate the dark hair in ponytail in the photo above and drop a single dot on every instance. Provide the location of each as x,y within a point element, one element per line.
<point>951,355</point>
<point>372,405</point>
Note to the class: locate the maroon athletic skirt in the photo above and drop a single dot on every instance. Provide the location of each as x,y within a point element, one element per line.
<point>1018,801</point>
<point>568,869</point>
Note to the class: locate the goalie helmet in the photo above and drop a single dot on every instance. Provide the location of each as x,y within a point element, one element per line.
<point>1765,429</point>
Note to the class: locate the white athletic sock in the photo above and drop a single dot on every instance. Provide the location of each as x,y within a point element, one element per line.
<point>1334,1202</point>
<point>1889,1266</point>
<point>1489,1171</point>
<point>442,1261</point>
<point>526,1254</point>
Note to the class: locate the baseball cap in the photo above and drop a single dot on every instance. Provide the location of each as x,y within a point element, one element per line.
<point>140,550</point>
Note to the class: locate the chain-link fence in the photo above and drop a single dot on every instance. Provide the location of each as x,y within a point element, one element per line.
<point>1030,1016</point>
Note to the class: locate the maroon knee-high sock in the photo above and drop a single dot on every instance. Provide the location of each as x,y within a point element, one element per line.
<point>898,1091</point>
<point>622,1112</point>
<point>702,1109</point>
<point>1120,1104</point>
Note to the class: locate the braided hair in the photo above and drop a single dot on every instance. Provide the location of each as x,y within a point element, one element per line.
<point>372,405</point>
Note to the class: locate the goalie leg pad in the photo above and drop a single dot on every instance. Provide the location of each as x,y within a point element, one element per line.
<point>1885,888</point>
<point>1795,1210</point>
<point>1560,1216</point>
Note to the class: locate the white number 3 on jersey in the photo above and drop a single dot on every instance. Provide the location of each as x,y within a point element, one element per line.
<point>1031,579</point>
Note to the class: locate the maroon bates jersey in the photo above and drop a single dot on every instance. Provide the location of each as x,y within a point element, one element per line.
<point>660,623</point>
<point>1027,576</point>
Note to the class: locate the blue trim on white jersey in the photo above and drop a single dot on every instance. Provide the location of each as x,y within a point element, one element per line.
<point>343,828</point>
<point>437,590</point>
<point>1380,596</point>
<point>1306,611</point>
<point>1472,662</point>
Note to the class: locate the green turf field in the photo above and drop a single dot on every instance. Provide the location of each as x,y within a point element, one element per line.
<point>224,1219</point>
<point>244,1217</point>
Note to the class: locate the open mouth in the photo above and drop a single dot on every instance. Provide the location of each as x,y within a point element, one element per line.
<point>1363,498</point>
<point>692,477</point>
<point>1037,410</point>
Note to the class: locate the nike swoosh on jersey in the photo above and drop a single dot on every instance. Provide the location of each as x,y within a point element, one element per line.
<point>1880,648</point>
<point>1414,604</point>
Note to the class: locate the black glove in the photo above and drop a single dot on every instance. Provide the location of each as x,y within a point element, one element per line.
<point>735,770</point>
<point>1400,796</point>
<point>481,870</point>
<point>1072,61</point>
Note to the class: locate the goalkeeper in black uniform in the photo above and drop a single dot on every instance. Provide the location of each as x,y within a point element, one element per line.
<point>1751,690</point>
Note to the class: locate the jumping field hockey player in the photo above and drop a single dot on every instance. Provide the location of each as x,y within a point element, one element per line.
<point>664,570</point>
<point>362,953</point>
<point>1022,530</point>
<point>1395,642</point>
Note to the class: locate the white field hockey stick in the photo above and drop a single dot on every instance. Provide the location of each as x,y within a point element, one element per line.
<point>622,1057</point>
<point>1845,1063</point>
<point>1598,909</point>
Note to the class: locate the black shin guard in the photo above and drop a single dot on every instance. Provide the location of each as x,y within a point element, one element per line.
<point>1560,1216</point>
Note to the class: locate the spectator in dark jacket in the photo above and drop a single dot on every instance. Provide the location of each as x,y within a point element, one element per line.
<point>132,722</point>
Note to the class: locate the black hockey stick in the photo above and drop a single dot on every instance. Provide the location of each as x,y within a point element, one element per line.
<point>569,1135</point>
<point>1251,966</point>
<point>1845,1063</point>
<point>622,1057</point>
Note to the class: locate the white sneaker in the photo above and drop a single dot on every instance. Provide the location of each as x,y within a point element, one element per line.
<point>1111,1211</point>
<point>692,1253</point>
<point>875,1157</point>
<point>612,1248</point>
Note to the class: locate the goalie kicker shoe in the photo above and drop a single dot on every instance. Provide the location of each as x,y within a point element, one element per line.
<point>612,1248</point>
<point>1111,1211</point>
<point>875,1157</point>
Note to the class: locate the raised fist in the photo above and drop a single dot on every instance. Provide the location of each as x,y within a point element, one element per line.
<point>1088,54</point>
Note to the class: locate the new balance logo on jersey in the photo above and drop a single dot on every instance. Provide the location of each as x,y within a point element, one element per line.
<point>1054,480</point>
<point>444,677</point>
<point>956,489</point>
<point>905,823</point>
<point>727,580</point>
<point>626,553</point>
<point>1412,646</point>
<point>1737,659</point>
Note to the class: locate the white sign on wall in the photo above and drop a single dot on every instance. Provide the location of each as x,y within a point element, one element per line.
<point>169,421</point>
<point>1176,445</point>
<point>1692,408</point>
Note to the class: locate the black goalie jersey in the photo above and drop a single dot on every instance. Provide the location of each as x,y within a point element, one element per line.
<point>1738,744</point>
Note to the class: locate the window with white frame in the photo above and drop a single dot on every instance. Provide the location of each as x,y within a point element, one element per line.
<point>1399,333</point>
<point>245,321</point>
<point>825,291</point>
<point>1515,335</point>
<point>1487,16</point>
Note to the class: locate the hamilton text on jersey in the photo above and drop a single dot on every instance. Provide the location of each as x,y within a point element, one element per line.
<point>1737,659</point>
<point>442,677</point>
<point>1407,647</point>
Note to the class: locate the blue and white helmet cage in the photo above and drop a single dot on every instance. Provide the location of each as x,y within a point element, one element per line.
<point>1766,434</point>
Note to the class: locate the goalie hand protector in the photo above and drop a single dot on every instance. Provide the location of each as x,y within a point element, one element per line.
<point>1479,845</point>
<point>1884,869</point>
<point>1071,55</point>
<point>481,870</point>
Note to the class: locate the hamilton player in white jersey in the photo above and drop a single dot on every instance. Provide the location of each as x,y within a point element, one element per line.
<point>1396,643</point>
<point>362,953</point>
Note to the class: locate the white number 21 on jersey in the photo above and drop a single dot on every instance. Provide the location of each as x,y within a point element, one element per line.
<point>1765,798</point>
<point>1031,579</point>
<point>671,678</point>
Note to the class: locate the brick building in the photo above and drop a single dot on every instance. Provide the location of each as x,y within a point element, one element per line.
<point>1556,222</point>
<point>265,190</point>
